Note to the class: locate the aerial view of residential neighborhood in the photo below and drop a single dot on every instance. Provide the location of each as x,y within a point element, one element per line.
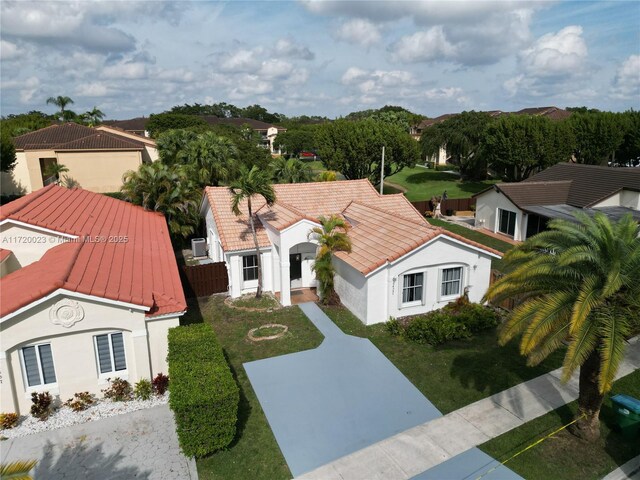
<point>320,239</point>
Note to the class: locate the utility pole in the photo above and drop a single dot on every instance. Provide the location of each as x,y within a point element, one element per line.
<point>382,172</point>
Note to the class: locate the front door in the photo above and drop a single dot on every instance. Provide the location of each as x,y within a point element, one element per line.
<point>295,270</point>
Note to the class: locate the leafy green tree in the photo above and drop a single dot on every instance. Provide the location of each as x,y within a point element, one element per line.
<point>389,114</point>
<point>290,170</point>
<point>516,146</point>
<point>213,158</point>
<point>166,189</point>
<point>327,176</point>
<point>14,125</point>
<point>354,148</point>
<point>172,145</point>
<point>578,285</point>
<point>462,135</point>
<point>629,151</point>
<point>598,135</point>
<point>252,183</point>
<point>257,112</point>
<point>61,102</point>
<point>332,237</point>
<point>220,110</point>
<point>7,153</point>
<point>162,122</point>
<point>296,140</point>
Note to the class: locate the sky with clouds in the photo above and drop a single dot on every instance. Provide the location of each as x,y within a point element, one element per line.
<point>319,57</point>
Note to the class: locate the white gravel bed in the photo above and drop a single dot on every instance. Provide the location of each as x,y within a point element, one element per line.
<point>65,417</point>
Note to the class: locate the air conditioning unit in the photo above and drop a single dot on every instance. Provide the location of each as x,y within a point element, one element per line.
<point>199,247</point>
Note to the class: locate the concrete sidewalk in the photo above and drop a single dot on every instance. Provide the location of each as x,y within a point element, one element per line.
<point>421,448</point>
<point>630,470</point>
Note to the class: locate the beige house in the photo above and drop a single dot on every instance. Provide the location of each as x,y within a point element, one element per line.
<point>95,157</point>
<point>89,289</point>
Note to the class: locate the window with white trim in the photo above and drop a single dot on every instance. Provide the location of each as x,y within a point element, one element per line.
<point>412,288</point>
<point>38,365</point>
<point>507,222</point>
<point>451,281</point>
<point>110,352</point>
<point>249,267</point>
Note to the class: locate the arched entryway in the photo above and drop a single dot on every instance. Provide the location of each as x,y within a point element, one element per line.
<point>301,258</point>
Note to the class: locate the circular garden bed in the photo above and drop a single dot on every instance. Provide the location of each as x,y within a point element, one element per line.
<point>269,331</point>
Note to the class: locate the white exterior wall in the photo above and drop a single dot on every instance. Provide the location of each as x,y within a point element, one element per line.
<point>625,198</point>
<point>351,286</point>
<point>487,206</point>
<point>27,244</point>
<point>237,285</point>
<point>73,349</point>
<point>214,246</point>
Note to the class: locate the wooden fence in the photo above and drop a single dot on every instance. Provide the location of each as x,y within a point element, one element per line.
<point>455,204</point>
<point>204,280</point>
<point>508,304</point>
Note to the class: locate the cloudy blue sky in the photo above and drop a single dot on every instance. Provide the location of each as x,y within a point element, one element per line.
<point>320,57</point>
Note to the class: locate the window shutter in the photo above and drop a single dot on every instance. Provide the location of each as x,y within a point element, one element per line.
<point>46,360</point>
<point>31,366</point>
<point>118,351</point>
<point>104,357</point>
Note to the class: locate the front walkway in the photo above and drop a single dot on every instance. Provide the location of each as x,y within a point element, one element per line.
<point>141,445</point>
<point>426,446</point>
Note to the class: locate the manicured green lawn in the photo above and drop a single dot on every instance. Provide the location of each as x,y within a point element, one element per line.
<point>422,184</point>
<point>451,375</point>
<point>563,456</point>
<point>254,454</point>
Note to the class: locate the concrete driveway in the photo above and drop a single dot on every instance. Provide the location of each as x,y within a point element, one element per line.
<point>140,445</point>
<point>328,402</point>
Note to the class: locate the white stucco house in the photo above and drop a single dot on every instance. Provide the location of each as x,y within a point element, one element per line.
<point>399,265</point>
<point>89,289</point>
<point>520,210</point>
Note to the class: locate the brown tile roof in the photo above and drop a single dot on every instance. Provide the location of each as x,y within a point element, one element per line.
<point>590,184</point>
<point>536,193</point>
<point>239,122</point>
<point>138,124</point>
<point>126,134</point>
<point>385,227</point>
<point>71,136</point>
<point>141,270</point>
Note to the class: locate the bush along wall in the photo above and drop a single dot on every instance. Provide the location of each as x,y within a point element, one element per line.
<point>204,396</point>
<point>459,319</point>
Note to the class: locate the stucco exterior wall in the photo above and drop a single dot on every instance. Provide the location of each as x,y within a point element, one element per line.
<point>487,206</point>
<point>73,349</point>
<point>351,286</point>
<point>18,180</point>
<point>625,198</point>
<point>27,244</point>
<point>214,246</point>
<point>100,171</point>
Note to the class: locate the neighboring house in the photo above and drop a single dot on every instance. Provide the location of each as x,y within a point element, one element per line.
<point>137,125</point>
<point>268,131</point>
<point>90,292</point>
<point>399,265</point>
<point>96,157</point>
<point>554,113</point>
<point>520,210</point>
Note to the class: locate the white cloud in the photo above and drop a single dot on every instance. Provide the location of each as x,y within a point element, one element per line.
<point>180,75</point>
<point>248,86</point>
<point>275,68</point>
<point>8,50</point>
<point>372,83</point>
<point>25,87</point>
<point>444,93</point>
<point>423,47</point>
<point>95,89</point>
<point>128,70</point>
<point>358,31</point>
<point>556,54</point>
<point>241,61</point>
<point>289,49</point>
<point>626,84</point>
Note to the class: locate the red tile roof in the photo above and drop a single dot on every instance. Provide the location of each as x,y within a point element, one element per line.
<point>4,253</point>
<point>124,253</point>
<point>71,136</point>
<point>385,227</point>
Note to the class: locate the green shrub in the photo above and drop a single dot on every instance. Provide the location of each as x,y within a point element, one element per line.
<point>119,390</point>
<point>204,396</point>
<point>80,401</point>
<point>393,327</point>
<point>143,389</point>
<point>41,405</point>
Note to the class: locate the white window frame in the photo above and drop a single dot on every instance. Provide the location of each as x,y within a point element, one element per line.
<point>515,222</point>
<point>463,277</point>
<point>253,282</point>
<point>413,303</point>
<point>124,374</point>
<point>43,386</point>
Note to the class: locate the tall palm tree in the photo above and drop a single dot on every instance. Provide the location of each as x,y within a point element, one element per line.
<point>61,102</point>
<point>172,145</point>
<point>333,237</point>
<point>579,285</point>
<point>53,170</point>
<point>290,171</point>
<point>94,116</point>
<point>213,157</point>
<point>250,184</point>
<point>165,189</point>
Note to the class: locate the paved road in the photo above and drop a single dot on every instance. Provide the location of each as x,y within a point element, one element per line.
<point>137,445</point>
<point>426,446</point>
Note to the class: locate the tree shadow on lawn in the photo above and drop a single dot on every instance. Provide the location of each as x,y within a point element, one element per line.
<point>194,312</point>
<point>422,177</point>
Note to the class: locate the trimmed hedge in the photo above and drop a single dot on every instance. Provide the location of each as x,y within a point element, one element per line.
<point>456,320</point>
<point>204,396</point>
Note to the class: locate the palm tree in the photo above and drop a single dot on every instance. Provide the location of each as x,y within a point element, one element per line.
<point>332,237</point>
<point>53,170</point>
<point>213,158</point>
<point>165,189</point>
<point>61,102</point>
<point>290,171</point>
<point>172,145</point>
<point>249,184</point>
<point>18,470</point>
<point>578,284</point>
<point>94,116</point>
